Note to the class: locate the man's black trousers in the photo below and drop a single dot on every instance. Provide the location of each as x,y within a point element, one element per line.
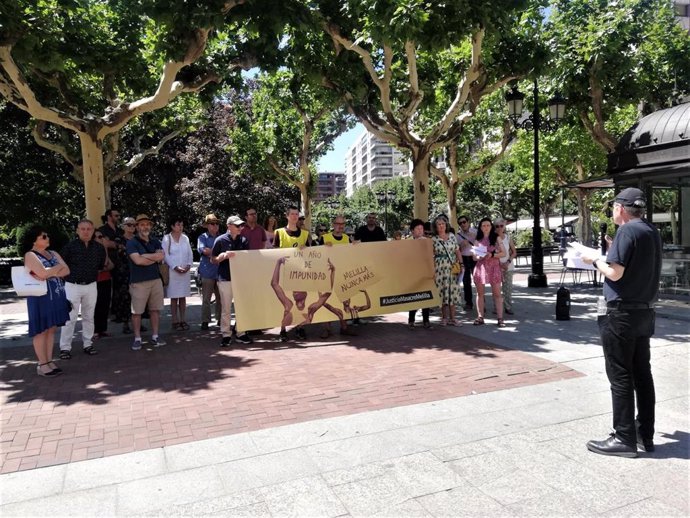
<point>625,337</point>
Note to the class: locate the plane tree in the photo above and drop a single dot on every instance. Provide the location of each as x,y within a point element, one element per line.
<point>289,124</point>
<point>608,56</point>
<point>389,59</point>
<point>90,69</point>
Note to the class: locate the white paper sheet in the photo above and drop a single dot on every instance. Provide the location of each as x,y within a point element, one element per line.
<point>479,250</point>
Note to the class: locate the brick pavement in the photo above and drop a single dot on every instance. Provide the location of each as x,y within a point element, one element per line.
<point>121,401</point>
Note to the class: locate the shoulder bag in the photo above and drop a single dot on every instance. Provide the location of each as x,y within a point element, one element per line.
<point>456,267</point>
<point>25,285</point>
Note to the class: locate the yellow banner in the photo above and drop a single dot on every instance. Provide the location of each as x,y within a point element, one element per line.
<point>322,283</point>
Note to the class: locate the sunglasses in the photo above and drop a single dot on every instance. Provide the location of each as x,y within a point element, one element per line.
<point>462,222</point>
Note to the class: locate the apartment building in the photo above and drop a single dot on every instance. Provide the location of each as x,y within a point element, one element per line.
<point>683,13</point>
<point>370,160</point>
<point>329,183</point>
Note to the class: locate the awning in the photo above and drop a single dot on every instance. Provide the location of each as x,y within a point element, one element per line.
<point>595,183</point>
<point>554,222</point>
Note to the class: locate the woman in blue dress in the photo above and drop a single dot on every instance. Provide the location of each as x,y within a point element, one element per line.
<point>48,311</point>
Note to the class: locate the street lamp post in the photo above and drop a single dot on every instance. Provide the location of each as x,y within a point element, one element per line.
<point>383,196</point>
<point>535,123</point>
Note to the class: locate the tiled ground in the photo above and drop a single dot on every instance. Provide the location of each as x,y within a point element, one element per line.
<point>121,401</point>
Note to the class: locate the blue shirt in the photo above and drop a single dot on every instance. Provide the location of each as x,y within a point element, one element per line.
<point>207,270</point>
<point>226,243</point>
<point>139,273</point>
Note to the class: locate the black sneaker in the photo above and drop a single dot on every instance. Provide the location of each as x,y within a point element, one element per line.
<point>301,333</point>
<point>226,341</point>
<point>244,338</point>
<point>283,336</point>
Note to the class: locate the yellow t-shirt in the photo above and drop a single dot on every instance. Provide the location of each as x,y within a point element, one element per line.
<point>329,238</point>
<point>288,241</point>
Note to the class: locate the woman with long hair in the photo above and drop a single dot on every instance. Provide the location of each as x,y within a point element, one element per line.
<point>446,252</point>
<point>49,311</point>
<point>488,270</point>
<point>270,226</point>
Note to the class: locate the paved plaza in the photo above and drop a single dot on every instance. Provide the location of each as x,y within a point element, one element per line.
<point>468,421</point>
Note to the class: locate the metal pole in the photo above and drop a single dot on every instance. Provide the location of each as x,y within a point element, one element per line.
<point>536,279</point>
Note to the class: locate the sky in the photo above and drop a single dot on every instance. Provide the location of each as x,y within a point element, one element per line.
<point>334,160</point>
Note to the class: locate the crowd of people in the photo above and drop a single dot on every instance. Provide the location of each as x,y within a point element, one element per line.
<point>122,270</point>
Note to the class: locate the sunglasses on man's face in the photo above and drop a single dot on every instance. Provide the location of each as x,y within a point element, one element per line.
<point>462,222</point>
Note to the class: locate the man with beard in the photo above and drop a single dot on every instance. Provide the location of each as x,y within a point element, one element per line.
<point>145,253</point>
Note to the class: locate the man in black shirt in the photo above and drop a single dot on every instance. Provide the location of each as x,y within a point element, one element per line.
<point>631,269</point>
<point>223,250</point>
<point>371,231</point>
<point>113,245</point>
<point>85,258</point>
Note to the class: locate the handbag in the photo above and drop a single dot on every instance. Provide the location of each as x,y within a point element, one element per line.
<point>163,267</point>
<point>164,271</point>
<point>456,267</point>
<point>25,285</point>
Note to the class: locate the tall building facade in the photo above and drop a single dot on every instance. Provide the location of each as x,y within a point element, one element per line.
<point>370,160</point>
<point>329,183</point>
<point>683,13</point>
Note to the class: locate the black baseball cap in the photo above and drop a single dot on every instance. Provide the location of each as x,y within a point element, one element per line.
<point>631,197</point>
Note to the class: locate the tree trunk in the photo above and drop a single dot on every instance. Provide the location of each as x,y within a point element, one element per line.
<point>94,177</point>
<point>585,217</point>
<point>674,224</point>
<point>305,200</point>
<point>452,195</point>
<point>420,179</point>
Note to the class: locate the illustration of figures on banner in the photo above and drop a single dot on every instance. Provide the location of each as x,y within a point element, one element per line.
<point>318,284</point>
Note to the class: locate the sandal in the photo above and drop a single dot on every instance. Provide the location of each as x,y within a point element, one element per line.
<point>90,351</point>
<point>479,321</point>
<point>454,323</point>
<point>65,355</point>
<point>443,322</point>
<point>501,323</point>
<point>176,325</point>
<point>184,326</point>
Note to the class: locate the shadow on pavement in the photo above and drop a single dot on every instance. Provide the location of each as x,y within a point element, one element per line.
<point>186,365</point>
<point>679,449</point>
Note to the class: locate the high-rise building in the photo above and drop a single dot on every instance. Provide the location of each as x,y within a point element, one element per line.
<point>329,183</point>
<point>683,12</point>
<point>370,160</point>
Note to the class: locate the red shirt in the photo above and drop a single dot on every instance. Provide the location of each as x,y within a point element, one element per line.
<point>256,237</point>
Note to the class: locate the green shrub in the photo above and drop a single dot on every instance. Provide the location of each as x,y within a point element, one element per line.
<point>8,251</point>
<point>523,238</point>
